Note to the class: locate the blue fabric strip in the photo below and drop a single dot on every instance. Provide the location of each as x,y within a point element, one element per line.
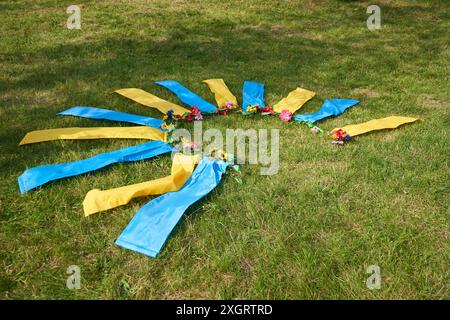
<point>329,109</point>
<point>151,226</point>
<point>105,114</point>
<point>188,96</point>
<point>38,176</point>
<point>252,95</point>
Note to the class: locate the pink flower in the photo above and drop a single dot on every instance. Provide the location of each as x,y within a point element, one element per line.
<point>198,116</point>
<point>286,115</point>
<point>314,130</point>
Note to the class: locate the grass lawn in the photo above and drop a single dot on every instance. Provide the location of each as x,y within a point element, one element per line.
<point>308,232</point>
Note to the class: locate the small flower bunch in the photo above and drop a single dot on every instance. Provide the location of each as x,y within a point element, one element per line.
<point>252,109</point>
<point>267,110</point>
<point>194,114</point>
<point>340,137</point>
<point>231,161</point>
<point>223,111</point>
<point>286,115</point>
<point>170,120</point>
<point>262,110</point>
<point>229,105</point>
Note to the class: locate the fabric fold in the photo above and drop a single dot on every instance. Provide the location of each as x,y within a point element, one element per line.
<point>76,133</point>
<point>221,92</point>
<point>35,177</point>
<point>187,96</point>
<point>391,122</point>
<point>147,99</point>
<point>330,108</point>
<point>294,101</point>
<point>151,226</point>
<point>252,95</point>
<point>105,114</point>
<point>100,200</point>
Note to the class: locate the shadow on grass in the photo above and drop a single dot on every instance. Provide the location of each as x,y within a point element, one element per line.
<point>116,63</point>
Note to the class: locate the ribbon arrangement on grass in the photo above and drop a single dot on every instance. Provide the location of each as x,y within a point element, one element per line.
<point>150,227</point>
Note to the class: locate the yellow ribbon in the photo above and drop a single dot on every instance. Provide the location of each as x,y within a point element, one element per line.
<point>99,200</point>
<point>391,122</point>
<point>140,132</point>
<point>150,100</point>
<point>294,101</point>
<point>221,92</point>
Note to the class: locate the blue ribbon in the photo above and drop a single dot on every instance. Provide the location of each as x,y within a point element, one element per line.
<point>105,114</point>
<point>329,109</point>
<point>188,96</point>
<point>151,226</point>
<point>38,176</point>
<point>252,95</point>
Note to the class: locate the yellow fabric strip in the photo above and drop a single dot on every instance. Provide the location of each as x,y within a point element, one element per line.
<point>150,100</point>
<point>99,200</point>
<point>140,132</point>
<point>294,101</point>
<point>221,92</point>
<point>376,124</point>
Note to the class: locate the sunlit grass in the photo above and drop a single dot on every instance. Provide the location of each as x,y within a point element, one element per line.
<point>308,232</point>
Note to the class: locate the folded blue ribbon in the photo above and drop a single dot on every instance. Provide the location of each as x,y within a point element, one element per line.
<point>252,95</point>
<point>38,176</point>
<point>105,114</point>
<point>151,226</point>
<point>188,96</point>
<point>329,109</point>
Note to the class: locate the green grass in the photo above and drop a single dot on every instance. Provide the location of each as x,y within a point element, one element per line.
<point>308,232</point>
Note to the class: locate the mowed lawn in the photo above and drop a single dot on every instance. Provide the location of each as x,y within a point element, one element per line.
<point>308,232</point>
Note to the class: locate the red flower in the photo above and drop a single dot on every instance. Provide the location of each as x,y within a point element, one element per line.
<point>194,111</point>
<point>268,110</point>
<point>222,111</point>
<point>340,135</point>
